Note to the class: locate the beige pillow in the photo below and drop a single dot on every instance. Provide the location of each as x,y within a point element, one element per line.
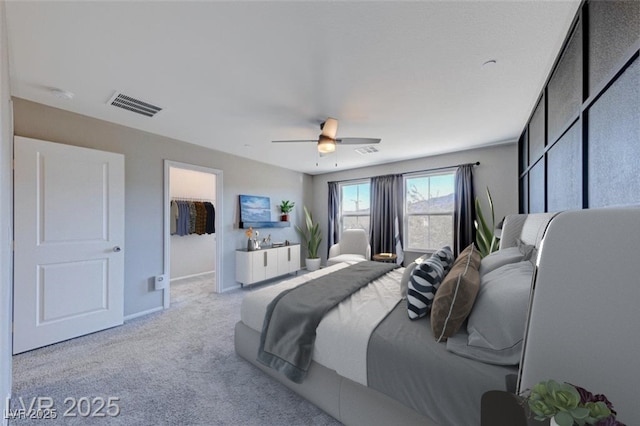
<point>455,297</point>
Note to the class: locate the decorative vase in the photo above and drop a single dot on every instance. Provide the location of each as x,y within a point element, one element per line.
<point>250,245</point>
<point>312,264</point>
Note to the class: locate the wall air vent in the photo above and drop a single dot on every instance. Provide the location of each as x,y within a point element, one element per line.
<point>366,150</point>
<point>130,103</point>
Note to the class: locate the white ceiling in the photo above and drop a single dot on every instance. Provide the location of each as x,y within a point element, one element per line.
<point>233,76</point>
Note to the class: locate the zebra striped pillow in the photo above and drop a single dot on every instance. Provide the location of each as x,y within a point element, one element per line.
<point>445,255</point>
<point>425,280</point>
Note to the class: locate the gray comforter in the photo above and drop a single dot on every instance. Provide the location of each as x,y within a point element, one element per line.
<point>406,363</point>
<point>289,328</point>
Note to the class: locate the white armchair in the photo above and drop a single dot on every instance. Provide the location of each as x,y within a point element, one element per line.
<point>353,246</point>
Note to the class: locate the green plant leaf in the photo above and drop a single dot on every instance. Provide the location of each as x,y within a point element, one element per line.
<point>312,236</point>
<point>563,419</point>
<point>579,413</point>
<point>286,206</point>
<point>493,217</point>
<point>486,241</point>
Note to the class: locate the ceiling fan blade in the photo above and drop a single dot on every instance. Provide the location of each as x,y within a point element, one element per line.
<point>358,141</point>
<point>330,128</point>
<point>298,140</point>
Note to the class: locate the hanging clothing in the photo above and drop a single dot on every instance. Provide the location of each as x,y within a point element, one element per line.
<point>173,221</point>
<point>211,218</point>
<point>201,218</point>
<point>192,217</point>
<point>183,218</point>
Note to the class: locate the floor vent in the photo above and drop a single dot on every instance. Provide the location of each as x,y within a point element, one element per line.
<point>132,104</point>
<point>366,150</point>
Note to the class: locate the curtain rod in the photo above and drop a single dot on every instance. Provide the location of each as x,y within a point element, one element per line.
<point>477,163</point>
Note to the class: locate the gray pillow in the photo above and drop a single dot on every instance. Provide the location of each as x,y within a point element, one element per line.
<point>500,258</point>
<point>527,250</point>
<point>495,329</point>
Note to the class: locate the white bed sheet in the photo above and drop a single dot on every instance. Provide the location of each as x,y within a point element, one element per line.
<point>343,334</point>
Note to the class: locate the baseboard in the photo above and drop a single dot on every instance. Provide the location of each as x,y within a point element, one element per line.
<point>192,275</point>
<point>143,313</point>
<point>224,290</point>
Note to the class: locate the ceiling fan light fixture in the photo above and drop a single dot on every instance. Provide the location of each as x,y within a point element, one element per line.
<point>326,145</point>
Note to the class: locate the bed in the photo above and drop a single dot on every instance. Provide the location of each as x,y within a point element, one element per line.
<point>371,364</point>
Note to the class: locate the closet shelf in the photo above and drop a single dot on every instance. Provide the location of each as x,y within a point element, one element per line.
<point>257,225</point>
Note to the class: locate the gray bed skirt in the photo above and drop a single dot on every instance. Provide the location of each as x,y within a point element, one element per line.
<point>347,401</point>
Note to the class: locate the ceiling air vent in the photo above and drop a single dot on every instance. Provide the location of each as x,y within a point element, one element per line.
<point>366,150</point>
<point>130,103</point>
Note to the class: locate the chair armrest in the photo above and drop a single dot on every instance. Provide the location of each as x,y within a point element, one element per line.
<point>334,250</point>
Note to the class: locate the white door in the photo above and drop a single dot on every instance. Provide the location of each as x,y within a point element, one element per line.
<point>69,242</point>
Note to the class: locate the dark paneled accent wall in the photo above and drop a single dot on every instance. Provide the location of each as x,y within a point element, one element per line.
<point>581,146</point>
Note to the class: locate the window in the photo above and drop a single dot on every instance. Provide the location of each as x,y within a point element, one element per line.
<point>355,205</point>
<point>429,201</point>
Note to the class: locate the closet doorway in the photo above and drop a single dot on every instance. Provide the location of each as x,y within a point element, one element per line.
<point>188,253</point>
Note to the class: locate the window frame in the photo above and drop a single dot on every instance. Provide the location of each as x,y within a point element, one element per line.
<point>341,185</point>
<point>407,215</point>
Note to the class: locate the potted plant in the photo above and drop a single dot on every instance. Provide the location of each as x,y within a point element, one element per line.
<point>285,208</point>
<point>568,405</point>
<point>486,240</point>
<point>311,237</point>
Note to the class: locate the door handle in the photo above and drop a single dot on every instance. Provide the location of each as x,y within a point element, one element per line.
<point>117,249</point>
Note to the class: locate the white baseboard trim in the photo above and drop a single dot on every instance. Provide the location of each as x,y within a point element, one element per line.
<point>193,275</point>
<point>230,288</point>
<point>143,313</point>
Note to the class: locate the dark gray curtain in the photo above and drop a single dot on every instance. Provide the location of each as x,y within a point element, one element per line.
<point>464,211</point>
<point>333,228</point>
<point>385,234</point>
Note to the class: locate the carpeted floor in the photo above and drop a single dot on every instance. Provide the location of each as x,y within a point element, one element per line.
<point>176,367</point>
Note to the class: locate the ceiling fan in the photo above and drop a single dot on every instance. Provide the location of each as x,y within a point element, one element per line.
<point>327,140</point>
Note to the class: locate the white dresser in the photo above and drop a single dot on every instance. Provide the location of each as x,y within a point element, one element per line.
<point>263,264</point>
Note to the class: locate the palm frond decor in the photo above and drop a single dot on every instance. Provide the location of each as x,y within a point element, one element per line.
<point>486,240</point>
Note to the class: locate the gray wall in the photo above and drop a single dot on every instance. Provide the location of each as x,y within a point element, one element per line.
<point>6,207</point>
<point>144,154</point>
<point>498,170</point>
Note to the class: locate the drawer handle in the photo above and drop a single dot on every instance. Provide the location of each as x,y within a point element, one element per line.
<point>265,258</point>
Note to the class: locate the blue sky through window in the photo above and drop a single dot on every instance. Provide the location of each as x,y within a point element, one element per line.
<point>356,197</point>
<point>439,186</point>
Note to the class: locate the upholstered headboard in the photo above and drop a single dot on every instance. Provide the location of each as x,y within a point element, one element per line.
<point>584,316</point>
<point>529,228</point>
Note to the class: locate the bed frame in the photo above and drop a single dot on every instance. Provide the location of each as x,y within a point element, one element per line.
<point>593,255</point>
<point>344,399</point>
<point>584,315</point>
